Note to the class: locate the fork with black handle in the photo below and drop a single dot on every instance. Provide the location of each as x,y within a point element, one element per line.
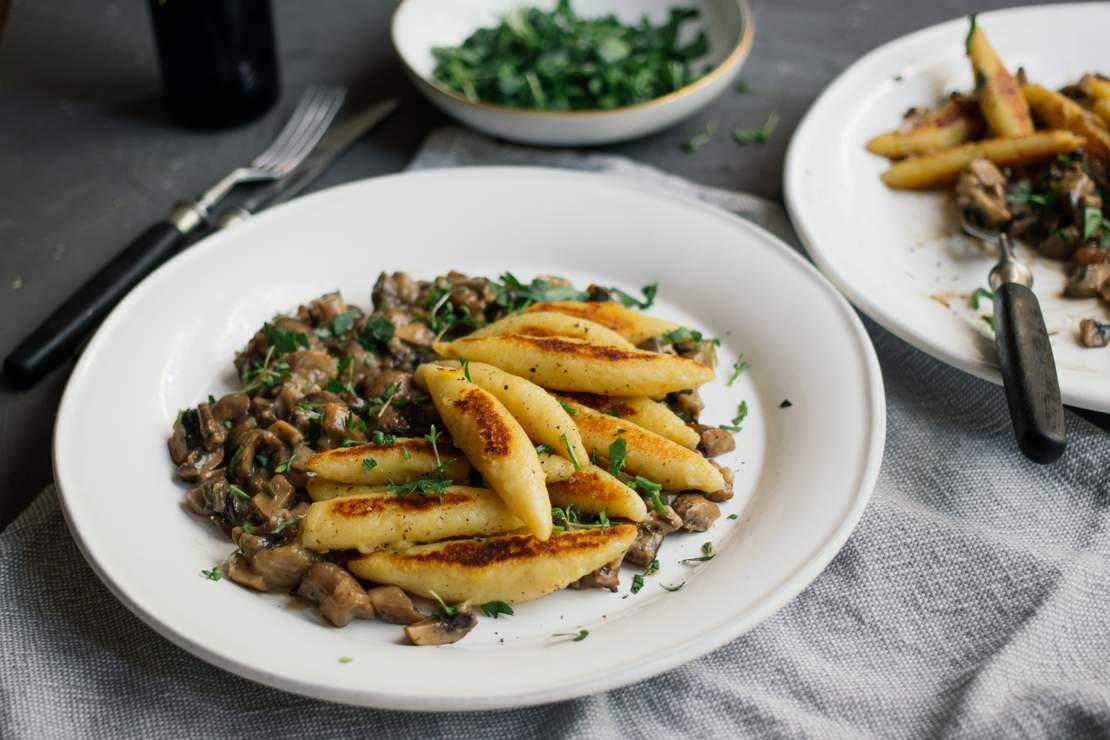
<point>62,333</point>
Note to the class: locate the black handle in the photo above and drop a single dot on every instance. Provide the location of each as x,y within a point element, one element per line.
<point>60,335</point>
<point>1029,373</point>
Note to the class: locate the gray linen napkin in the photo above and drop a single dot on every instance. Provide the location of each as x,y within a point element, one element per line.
<point>973,600</point>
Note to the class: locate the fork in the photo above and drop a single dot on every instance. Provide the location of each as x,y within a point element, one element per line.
<point>61,334</point>
<point>1024,353</point>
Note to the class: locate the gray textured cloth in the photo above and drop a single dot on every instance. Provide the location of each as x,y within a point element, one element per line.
<point>973,600</point>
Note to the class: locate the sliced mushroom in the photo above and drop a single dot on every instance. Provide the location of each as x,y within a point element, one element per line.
<point>310,370</point>
<point>664,523</point>
<point>1094,333</point>
<point>645,546</point>
<point>698,513</point>
<point>393,605</point>
<point>442,630</point>
<point>607,576</point>
<point>212,431</point>
<point>981,191</point>
<point>199,464</point>
<point>277,569</point>
<point>337,593</point>
<point>179,441</point>
<point>714,440</point>
<point>725,493</point>
<point>688,404</point>
<point>232,407</point>
<point>1085,281</point>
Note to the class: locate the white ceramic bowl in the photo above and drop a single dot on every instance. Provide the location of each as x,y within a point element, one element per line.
<point>420,25</point>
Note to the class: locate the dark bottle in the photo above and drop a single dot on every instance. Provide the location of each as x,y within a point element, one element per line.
<point>219,65</point>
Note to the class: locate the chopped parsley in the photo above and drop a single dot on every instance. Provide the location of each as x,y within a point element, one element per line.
<point>570,451</point>
<point>286,524</point>
<point>375,334</point>
<point>700,139</point>
<point>285,465</point>
<point>369,464</point>
<point>557,60</point>
<point>265,374</point>
<point>786,403</point>
<point>741,414</point>
<point>618,453</point>
<point>628,301</point>
<point>569,518</point>
<point>1022,194</point>
<point>733,516</point>
<point>381,438</point>
<point>466,368</point>
<point>211,400</point>
<point>738,368</point>
<point>343,322</point>
<point>1092,222</point>
<point>345,659</point>
<point>426,485</point>
<point>637,583</point>
<point>238,491</point>
<point>496,608</point>
<point>544,449</point>
<point>682,335</point>
<point>757,135</point>
<point>652,489</point>
<point>515,296</point>
<point>346,365</point>
<point>578,636</point>
<point>571,410</point>
<point>216,572</point>
<point>285,341</point>
<point>405,453</point>
<point>978,295</point>
<point>442,610</point>
<point>707,554</point>
<point>970,32</point>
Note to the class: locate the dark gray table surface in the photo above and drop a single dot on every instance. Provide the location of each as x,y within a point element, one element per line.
<point>88,157</point>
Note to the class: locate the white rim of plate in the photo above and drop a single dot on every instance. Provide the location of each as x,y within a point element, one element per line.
<point>805,137</point>
<point>614,676</point>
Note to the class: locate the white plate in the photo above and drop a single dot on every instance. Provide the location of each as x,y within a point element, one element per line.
<point>420,25</point>
<point>803,474</point>
<point>897,255</point>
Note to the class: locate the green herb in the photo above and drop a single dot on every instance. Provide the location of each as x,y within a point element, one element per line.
<point>442,610</point>
<point>618,453</point>
<point>700,139</point>
<point>263,460</point>
<point>343,322</point>
<point>285,465</point>
<point>369,464</point>
<point>443,316</point>
<point>970,32</point>
<point>381,438</point>
<point>236,456</point>
<point>615,411</point>
<point>734,516</point>
<point>496,608</point>
<point>227,424</point>
<point>682,335</point>
<point>786,403</point>
<point>285,341</point>
<point>380,403</point>
<point>405,453</point>
<point>569,518</point>
<point>757,135</point>
<point>1022,194</point>
<point>578,636</point>
<point>649,291</point>
<point>672,589</point>
<point>571,452</point>
<point>652,568</point>
<point>652,489</point>
<point>286,524</point>
<point>432,436</point>
<point>349,442</point>
<point>375,335</point>
<point>239,492</point>
<point>557,60</point>
<point>706,555</point>
<point>346,365</point>
<point>345,659</point>
<point>1092,222</point>
<point>637,583</point>
<point>265,374</point>
<point>211,400</point>
<point>738,367</point>
<point>466,368</point>
<point>979,294</point>
<point>741,414</point>
<point>217,570</point>
<point>355,422</point>
<point>571,410</point>
<point>990,321</point>
<point>897,78</point>
<point>544,449</point>
<point>426,485</point>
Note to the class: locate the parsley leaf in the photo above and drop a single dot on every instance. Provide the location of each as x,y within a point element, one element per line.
<point>979,294</point>
<point>578,636</point>
<point>466,368</point>
<point>571,452</point>
<point>442,610</point>
<point>426,485</point>
<point>541,449</point>
<point>571,410</point>
<point>707,554</point>
<point>1092,222</point>
<point>618,453</point>
<point>628,301</point>
<point>285,341</point>
<point>738,367</point>
<point>369,464</point>
<point>496,608</point>
<point>786,403</point>
<point>375,335</point>
<point>970,32</point>
<point>741,414</point>
<point>757,135</point>
<point>700,139</point>
<point>652,489</point>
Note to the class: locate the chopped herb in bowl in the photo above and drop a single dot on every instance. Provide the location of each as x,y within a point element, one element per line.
<point>559,61</point>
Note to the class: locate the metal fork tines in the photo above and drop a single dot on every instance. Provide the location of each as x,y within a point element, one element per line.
<point>310,119</point>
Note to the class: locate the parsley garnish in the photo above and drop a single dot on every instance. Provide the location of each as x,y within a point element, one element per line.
<point>211,400</point>
<point>637,583</point>
<point>733,516</point>
<point>380,403</point>
<point>578,636</point>
<point>628,301</point>
<point>375,335</point>
<point>432,436</point>
<point>652,489</point>
<point>1092,222</point>
<point>571,452</point>
<point>442,610</point>
<point>682,335</point>
<point>571,519</point>
<point>496,608</point>
<point>700,139</point>
<point>558,60</point>
<point>285,341</point>
<point>266,374</point>
<point>236,456</point>
<point>369,464</point>
<point>381,438</point>
<point>571,410</point>
<point>263,460</point>
<point>346,365</point>
<point>217,570</point>
<point>466,368</point>
<point>345,659</point>
<point>618,452</point>
<point>738,367</point>
<point>405,453</point>
<point>970,33</point>
<point>285,465</point>
<point>343,322</point>
<point>741,414</point>
<point>239,492</point>
<point>286,524</point>
<point>757,135</point>
<point>426,485</point>
<point>979,294</point>
<point>544,449</point>
<point>786,403</point>
<point>1022,194</point>
<point>707,554</point>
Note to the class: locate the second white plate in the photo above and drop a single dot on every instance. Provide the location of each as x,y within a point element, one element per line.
<point>899,256</point>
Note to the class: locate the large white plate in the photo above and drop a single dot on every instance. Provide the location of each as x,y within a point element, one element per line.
<point>804,473</point>
<point>897,255</point>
